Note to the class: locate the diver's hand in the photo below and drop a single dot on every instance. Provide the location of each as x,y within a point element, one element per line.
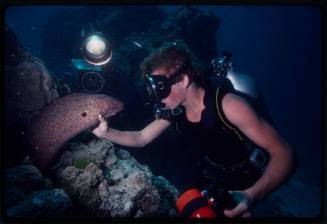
<point>244,202</point>
<point>102,128</point>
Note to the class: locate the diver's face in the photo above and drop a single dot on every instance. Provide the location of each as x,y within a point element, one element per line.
<point>177,91</point>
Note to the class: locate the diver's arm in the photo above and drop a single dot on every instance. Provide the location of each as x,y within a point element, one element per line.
<point>281,164</point>
<point>132,138</point>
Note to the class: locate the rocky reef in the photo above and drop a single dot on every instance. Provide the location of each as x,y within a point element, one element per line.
<point>109,182</point>
<point>97,178</point>
<point>29,88</point>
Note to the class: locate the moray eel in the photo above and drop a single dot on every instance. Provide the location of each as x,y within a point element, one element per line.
<point>65,118</point>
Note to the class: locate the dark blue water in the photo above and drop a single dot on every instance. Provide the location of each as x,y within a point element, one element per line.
<point>280,46</point>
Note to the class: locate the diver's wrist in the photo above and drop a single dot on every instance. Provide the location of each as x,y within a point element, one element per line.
<point>102,134</point>
<point>251,195</point>
<point>105,134</point>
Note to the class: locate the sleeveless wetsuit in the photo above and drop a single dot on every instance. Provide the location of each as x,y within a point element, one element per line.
<point>222,149</point>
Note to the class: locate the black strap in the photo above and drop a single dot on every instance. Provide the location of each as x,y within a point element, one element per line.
<point>194,205</point>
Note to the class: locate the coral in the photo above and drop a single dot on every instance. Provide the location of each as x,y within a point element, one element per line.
<point>115,184</point>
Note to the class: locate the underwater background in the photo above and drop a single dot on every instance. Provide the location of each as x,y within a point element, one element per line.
<point>279,46</point>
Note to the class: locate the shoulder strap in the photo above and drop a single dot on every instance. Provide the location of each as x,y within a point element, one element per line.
<point>221,91</point>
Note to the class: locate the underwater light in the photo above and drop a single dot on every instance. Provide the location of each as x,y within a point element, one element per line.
<point>96,50</point>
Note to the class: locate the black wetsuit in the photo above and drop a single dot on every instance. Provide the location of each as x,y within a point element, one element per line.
<point>222,151</point>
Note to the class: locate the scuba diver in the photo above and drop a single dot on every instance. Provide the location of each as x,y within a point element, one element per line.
<point>241,155</point>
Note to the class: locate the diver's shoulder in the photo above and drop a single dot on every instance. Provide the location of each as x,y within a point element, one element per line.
<point>235,107</point>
